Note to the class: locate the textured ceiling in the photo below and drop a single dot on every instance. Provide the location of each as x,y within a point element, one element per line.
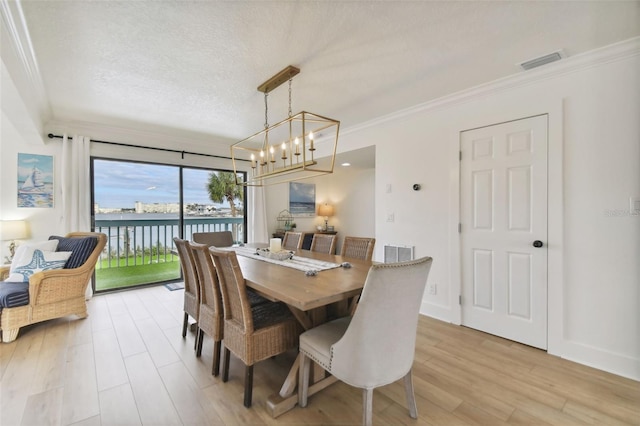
<point>195,66</point>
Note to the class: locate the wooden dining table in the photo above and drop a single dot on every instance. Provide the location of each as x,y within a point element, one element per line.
<point>312,299</point>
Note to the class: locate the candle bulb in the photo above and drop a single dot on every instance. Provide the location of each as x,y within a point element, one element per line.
<point>262,158</point>
<point>253,161</point>
<point>273,159</point>
<point>311,148</point>
<point>284,151</point>
<point>297,142</point>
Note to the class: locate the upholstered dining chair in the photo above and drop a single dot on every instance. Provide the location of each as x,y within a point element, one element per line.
<point>191,285</point>
<point>251,333</point>
<point>323,243</point>
<point>371,349</point>
<point>217,238</point>
<point>292,240</point>
<point>358,247</point>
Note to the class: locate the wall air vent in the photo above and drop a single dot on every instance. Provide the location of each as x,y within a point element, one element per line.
<point>542,60</point>
<point>394,253</point>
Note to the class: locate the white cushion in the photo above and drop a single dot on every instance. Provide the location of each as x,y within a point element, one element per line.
<point>32,258</point>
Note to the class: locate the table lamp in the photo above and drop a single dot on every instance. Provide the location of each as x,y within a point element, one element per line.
<point>325,210</point>
<point>12,230</point>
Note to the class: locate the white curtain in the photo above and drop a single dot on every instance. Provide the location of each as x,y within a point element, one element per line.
<point>75,178</point>
<point>257,215</point>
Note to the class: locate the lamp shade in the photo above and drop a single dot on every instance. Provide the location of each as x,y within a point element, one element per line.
<point>13,230</point>
<point>325,209</point>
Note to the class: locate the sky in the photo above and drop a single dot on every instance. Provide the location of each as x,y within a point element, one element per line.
<point>120,184</point>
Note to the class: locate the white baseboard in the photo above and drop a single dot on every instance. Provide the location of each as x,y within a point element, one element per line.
<point>610,362</point>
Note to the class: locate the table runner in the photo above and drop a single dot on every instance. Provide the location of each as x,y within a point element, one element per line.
<point>297,262</point>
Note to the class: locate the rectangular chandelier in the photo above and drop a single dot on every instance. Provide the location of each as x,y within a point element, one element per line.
<point>299,147</point>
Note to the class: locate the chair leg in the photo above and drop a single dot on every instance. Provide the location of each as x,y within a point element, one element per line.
<point>225,371</point>
<point>303,380</point>
<point>196,335</point>
<point>248,385</point>
<point>199,339</point>
<point>215,369</point>
<point>185,323</point>
<point>411,398</point>
<point>367,407</point>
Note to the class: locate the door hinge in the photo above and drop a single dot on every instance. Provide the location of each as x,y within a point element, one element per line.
<point>460,155</point>
<point>460,300</point>
<point>459,228</point>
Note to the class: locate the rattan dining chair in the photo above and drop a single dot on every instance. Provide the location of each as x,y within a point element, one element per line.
<point>251,333</point>
<point>370,350</point>
<point>191,285</point>
<point>292,240</point>
<point>358,247</point>
<point>217,238</point>
<point>210,320</point>
<point>323,243</point>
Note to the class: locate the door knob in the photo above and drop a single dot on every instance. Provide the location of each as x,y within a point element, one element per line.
<point>538,243</point>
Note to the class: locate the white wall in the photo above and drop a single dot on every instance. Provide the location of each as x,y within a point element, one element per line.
<point>352,194</point>
<point>594,160</point>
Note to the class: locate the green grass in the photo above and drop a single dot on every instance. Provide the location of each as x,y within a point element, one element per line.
<point>126,276</point>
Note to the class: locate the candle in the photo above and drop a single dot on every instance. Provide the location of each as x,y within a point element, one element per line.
<point>272,155</point>
<point>275,245</point>
<point>297,142</point>
<point>262,158</point>
<point>284,151</point>
<point>311,141</point>
<point>253,161</point>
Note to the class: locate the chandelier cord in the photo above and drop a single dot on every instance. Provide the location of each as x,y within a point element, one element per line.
<point>266,109</point>
<point>290,80</point>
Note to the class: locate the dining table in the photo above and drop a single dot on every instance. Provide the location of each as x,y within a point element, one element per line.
<point>313,294</point>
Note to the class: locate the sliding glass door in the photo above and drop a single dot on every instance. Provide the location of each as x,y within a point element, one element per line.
<point>141,207</point>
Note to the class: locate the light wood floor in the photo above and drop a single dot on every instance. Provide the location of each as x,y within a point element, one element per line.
<point>128,364</point>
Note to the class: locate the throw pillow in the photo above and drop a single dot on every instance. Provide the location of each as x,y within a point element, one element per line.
<point>80,248</point>
<point>41,261</point>
<point>24,252</point>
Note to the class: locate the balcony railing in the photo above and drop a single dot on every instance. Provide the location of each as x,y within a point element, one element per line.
<point>146,243</point>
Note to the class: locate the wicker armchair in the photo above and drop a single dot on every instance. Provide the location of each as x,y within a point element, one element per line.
<point>358,248</point>
<point>52,294</point>
<point>292,240</point>
<point>191,285</point>
<point>323,243</point>
<point>252,333</point>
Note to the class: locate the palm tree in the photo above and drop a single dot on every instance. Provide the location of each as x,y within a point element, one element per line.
<point>222,186</point>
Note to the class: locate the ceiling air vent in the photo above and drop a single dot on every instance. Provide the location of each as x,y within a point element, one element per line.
<point>542,60</point>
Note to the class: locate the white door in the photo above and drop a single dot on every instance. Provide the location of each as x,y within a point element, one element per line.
<point>504,229</point>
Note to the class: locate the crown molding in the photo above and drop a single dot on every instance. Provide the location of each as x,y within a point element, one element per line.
<point>18,37</point>
<point>604,55</point>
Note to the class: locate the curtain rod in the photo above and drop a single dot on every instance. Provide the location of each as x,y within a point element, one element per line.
<point>182,153</point>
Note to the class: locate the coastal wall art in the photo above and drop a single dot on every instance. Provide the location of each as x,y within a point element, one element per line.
<point>302,199</point>
<point>35,180</point>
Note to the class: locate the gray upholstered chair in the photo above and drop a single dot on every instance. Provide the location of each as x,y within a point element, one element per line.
<point>292,240</point>
<point>323,243</point>
<point>218,238</point>
<point>252,333</point>
<point>376,346</point>
<point>191,285</point>
<point>358,247</point>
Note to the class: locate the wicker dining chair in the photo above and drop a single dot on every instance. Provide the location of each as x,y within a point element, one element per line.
<point>217,238</point>
<point>370,350</point>
<point>323,243</point>
<point>358,248</point>
<point>292,240</point>
<point>210,321</point>
<point>191,286</point>
<point>250,333</point>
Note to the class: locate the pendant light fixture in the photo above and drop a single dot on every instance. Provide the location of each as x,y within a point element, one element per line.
<point>299,147</point>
